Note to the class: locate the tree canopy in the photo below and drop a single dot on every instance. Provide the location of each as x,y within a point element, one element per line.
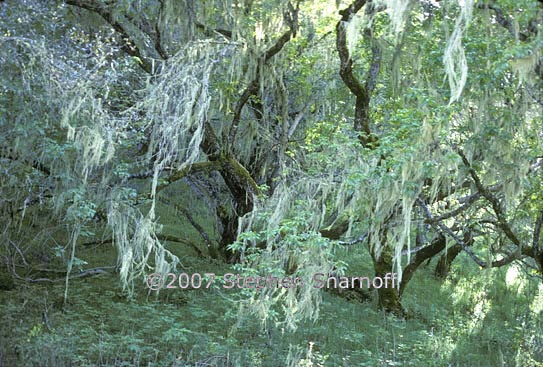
<point>284,132</point>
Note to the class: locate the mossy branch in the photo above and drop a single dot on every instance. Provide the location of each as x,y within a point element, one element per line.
<point>107,15</point>
<point>232,165</point>
<point>254,86</point>
<point>191,169</point>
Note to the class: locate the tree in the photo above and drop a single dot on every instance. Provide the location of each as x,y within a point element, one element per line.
<point>173,137</point>
<point>415,133</point>
<point>309,124</point>
<point>417,167</point>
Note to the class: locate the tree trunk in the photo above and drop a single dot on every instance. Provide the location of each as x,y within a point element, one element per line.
<point>444,264</point>
<point>389,298</point>
<point>421,256</point>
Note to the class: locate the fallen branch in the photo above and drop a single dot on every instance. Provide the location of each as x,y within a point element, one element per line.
<point>62,278</point>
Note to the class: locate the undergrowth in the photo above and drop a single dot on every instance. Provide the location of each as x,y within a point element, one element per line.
<point>467,320</point>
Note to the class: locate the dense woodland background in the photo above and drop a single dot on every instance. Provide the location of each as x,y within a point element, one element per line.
<point>283,137</point>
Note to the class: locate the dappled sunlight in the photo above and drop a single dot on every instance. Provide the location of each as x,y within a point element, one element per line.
<point>479,312</point>
<point>377,164</point>
<point>515,279</point>
<point>537,304</point>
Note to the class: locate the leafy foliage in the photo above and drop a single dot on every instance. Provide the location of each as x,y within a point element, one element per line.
<point>282,138</point>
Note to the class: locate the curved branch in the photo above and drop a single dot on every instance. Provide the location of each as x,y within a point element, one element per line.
<point>107,15</point>
<point>427,252</point>
<point>494,202</point>
<point>254,86</point>
<point>361,92</point>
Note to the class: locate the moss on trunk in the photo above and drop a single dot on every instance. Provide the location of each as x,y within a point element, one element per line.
<point>389,298</point>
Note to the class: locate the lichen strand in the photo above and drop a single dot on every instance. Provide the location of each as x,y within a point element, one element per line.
<point>454,59</point>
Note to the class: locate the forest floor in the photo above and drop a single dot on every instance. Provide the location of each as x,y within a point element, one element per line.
<point>466,320</point>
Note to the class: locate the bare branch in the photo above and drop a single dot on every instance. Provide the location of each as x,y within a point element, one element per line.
<point>18,251</point>
<point>446,230</point>
<point>356,241</point>
<point>467,203</point>
<point>516,255</point>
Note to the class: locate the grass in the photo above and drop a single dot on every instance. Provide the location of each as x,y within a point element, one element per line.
<point>468,320</point>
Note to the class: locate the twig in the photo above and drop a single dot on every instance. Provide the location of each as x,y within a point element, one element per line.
<point>18,251</point>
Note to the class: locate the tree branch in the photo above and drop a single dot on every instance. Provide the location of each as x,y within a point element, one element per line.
<point>158,34</point>
<point>361,92</point>
<point>208,31</point>
<point>191,169</point>
<point>467,203</point>
<point>254,86</point>
<point>107,15</point>
<point>503,20</point>
<point>537,233</point>
<point>373,73</point>
<point>10,155</point>
<point>62,276</point>
<point>427,252</point>
<point>494,202</point>
<point>446,230</point>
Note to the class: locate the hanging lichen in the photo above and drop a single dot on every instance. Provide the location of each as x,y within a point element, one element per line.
<point>454,59</point>
<point>397,11</point>
<point>524,67</point>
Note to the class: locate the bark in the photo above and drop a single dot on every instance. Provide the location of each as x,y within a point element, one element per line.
<point>420,257</point>
<point>239,182</point>
<point>361,113</point>
<point>389,298</point>
<point>243,189</point>
<point>443,266</point>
